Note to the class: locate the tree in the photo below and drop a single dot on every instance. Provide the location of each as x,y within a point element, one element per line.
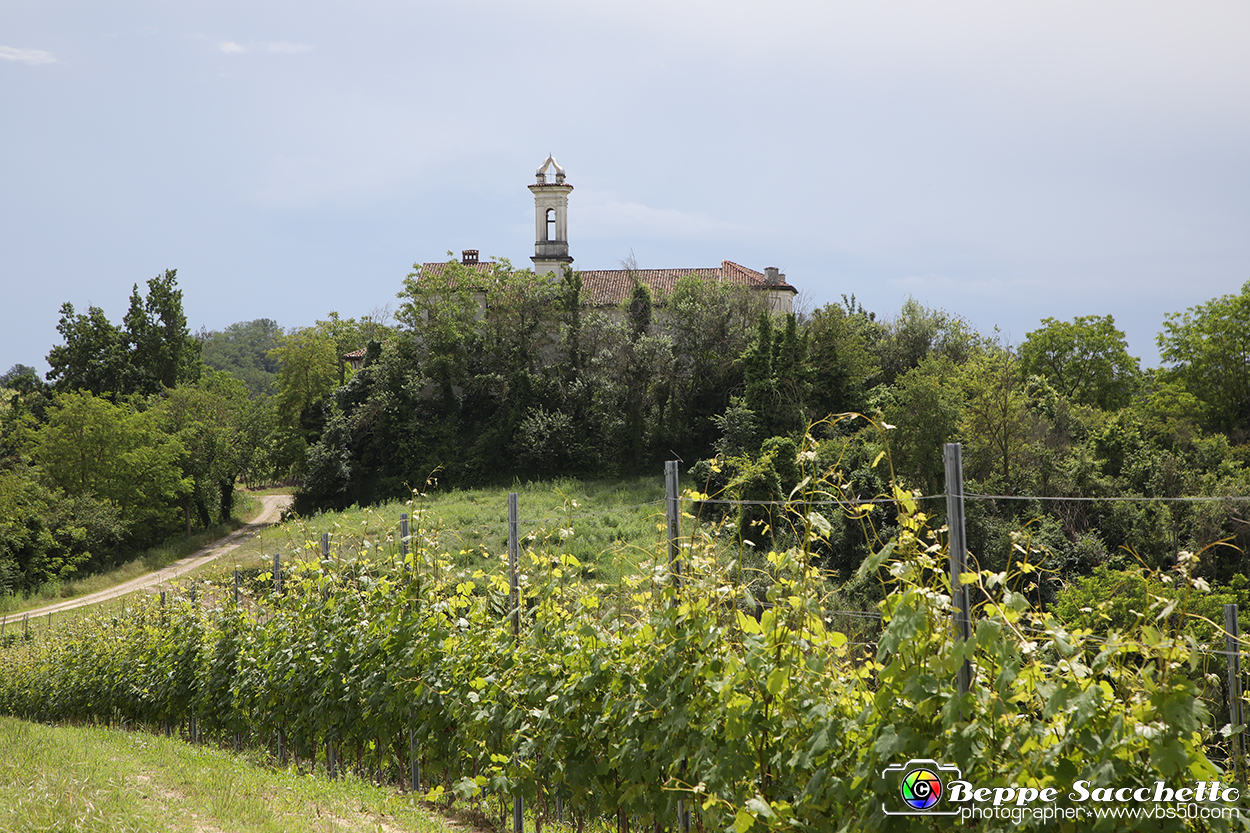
<point>242,349</point>
<point>16,373</point>
<point>1208,350</point>
<point>757,366</point>
<point>710,324</point>
<point>352,334</point>
<point>924,407</point>
<point>1086,360</point>
<point>639,309</point>
<point>162,352</point>
<point>994,423</point>
<point>792,377</point>
<point>94,448</point>
<point>308,372</point>
<point>838,353</point>
<point>45,535</point>
<point>918,332</point>
<point>627,374</point>
<point>776,375</point>
<point>95,356</point>
<point>440,310</point>
<point>152,351</point>
<point>215,420</point>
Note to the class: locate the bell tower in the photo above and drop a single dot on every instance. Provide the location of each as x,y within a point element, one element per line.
<point>551,221</point>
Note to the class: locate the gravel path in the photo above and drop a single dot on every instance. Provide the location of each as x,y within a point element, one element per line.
<point>274,504</point>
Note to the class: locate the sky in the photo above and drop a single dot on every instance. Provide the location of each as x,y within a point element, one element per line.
<point>1005,162</point>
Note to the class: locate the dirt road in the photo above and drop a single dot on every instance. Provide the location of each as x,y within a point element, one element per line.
<point>274,504</point>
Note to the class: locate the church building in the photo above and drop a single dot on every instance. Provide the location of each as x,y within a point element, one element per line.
<point>612,287</point>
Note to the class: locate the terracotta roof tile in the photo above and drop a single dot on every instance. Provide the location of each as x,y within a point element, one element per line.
<point>438,268</point>
<point>610,287</point>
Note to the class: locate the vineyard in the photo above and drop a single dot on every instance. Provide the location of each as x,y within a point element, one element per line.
<point>727,692</point>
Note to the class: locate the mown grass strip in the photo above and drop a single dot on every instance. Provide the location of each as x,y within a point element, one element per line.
<point>92,779</point>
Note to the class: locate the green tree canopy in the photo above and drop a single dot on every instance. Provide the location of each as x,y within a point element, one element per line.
<point>46,535</point>
<point>1085,359</point>
<point>16,373</point>
<point>924,408</point>
<point>838,338</point>
<point>162,352</point>
<point>917,332</point>
<point>994,424</point>
<point>217,423</point>
<point>151,351</point>
<point>92,447</point>
<point>95,356</point>
<point>1207,348</point>
<point>308,372</point>
<point>242,349</point>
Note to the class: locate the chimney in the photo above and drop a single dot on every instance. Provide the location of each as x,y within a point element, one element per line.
<point>468,256</point>
<point>772,275</point>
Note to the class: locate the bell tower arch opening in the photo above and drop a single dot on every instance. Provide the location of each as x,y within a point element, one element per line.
<point>551,222</point>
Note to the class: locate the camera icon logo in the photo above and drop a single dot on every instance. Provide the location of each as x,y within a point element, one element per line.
<point>921,784</point>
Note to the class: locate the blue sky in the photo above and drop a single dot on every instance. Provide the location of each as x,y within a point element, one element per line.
<point>1003,161</point>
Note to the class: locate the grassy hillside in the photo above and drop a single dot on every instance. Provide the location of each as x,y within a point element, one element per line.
<point>614,524</point>
<point>90,779</point>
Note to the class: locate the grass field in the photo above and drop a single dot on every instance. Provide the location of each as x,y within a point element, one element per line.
<point>614,524</point>
<point>110,781</point>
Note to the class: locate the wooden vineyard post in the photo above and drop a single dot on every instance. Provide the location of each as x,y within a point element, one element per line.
<point>1236,712</point>
<point>514,547</point>
<point>952,458</point>
<point>331,756</point>
<point>403,540</point>
<point>234,740</point>
<point>672,510</point>
<point>277,573</point>
<point>413,765</point>
<point>514,602</point>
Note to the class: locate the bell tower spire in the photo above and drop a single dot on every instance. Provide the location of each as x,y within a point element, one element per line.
<point>551,220</point>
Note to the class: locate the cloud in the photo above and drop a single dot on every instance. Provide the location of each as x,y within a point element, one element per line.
<point>34,57</point>
<point>274,47</point>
